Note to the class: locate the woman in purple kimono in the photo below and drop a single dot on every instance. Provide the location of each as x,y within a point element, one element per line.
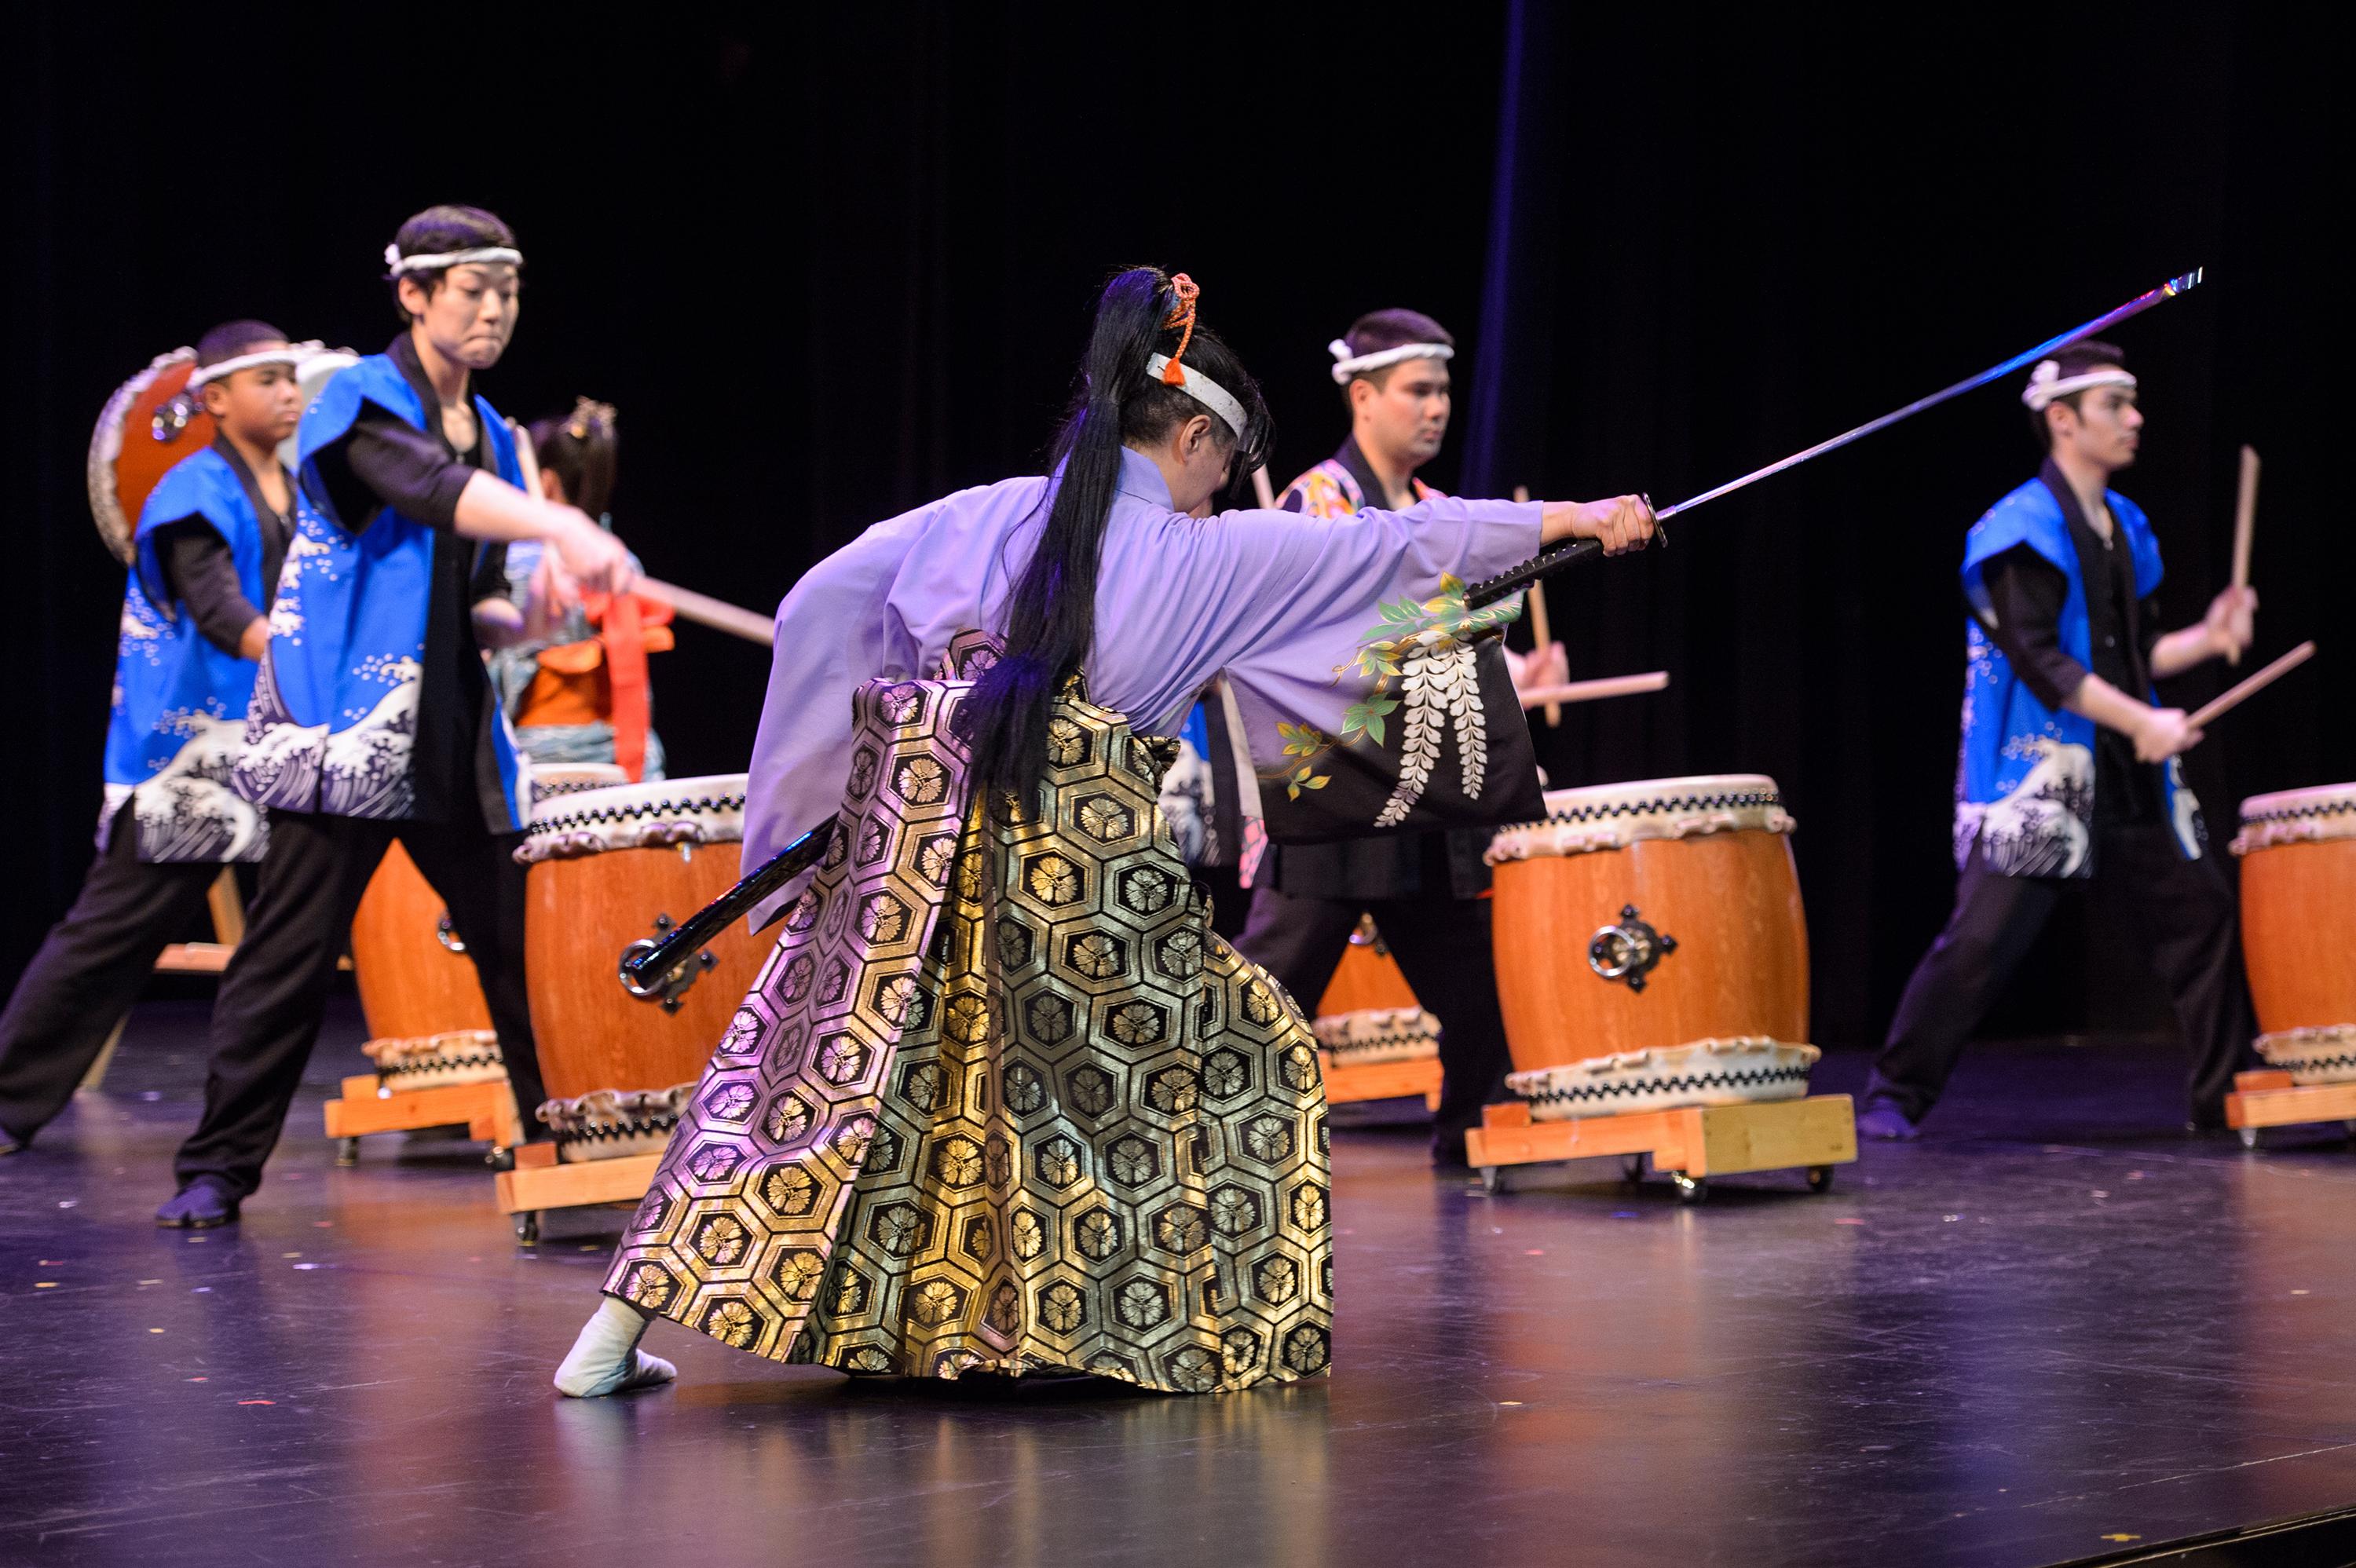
<point>999,1100</point>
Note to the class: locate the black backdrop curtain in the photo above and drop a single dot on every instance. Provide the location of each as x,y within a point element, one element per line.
<point>1729,241</point>
<point>830,266</point>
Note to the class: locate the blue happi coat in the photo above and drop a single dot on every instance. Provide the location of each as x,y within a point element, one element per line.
<point>2025,777</point>
<point>334,718</point>
<point>180,703</point>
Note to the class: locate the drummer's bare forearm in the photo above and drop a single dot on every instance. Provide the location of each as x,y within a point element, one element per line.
<point>255,640</point>
<point>491,508</point>
<point>2180,650</point>
<point>2106,705</point>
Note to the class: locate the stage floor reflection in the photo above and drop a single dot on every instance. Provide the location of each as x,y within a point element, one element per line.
<point>2055,1326</point>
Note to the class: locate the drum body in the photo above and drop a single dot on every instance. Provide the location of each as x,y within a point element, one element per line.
<point>1651,948</point>
<point>1368,1014</point>
<point>610,867</point>
<point>428,1025</point>
<point>2299,928</point>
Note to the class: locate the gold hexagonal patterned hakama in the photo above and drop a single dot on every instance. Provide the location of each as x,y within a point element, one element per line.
<point>1000,1099</point>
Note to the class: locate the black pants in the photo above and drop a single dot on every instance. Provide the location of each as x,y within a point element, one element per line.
<point>1442,947</point>
<point>89,971</point>
<point>2190,925</point>
<point>267,1015</point>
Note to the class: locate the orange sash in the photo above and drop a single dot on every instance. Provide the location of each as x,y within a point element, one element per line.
<point>604,680</point>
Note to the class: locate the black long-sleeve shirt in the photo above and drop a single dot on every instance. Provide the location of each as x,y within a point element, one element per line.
<point>384,462</point>
<point>2026,593</point>
<point>201,574</point>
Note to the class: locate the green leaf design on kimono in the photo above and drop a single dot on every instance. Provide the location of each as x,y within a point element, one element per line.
<point>1301,740</point>
<point>1368,716</point>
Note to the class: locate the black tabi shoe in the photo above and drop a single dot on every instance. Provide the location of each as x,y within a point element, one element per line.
<point>201,1205</point>
<point>10,1144</point>
<point>1883,1120</point>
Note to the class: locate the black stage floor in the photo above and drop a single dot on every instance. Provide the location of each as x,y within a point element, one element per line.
<point>2056,1329</point>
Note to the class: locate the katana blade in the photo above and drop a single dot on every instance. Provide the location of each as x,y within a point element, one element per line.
<point>1497,588</point>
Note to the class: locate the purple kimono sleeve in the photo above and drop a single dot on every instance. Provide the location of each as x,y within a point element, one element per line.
<point>836,631</point>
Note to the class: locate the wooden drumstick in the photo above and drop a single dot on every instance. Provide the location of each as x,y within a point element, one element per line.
<point>1539,630</point>
<point>716,613</point>
<point>2240,694</point>
<point>1261,488</point>
<point>2245,518</point>
<point>1589,690</point>
<point>700,608</point>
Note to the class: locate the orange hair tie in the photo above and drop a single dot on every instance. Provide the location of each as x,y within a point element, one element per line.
<point>1181,320</point>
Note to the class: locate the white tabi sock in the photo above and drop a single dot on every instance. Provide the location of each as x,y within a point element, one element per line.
<point>607,1359</point>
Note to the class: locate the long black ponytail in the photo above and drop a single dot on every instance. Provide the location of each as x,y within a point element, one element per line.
<point>1052,618</point>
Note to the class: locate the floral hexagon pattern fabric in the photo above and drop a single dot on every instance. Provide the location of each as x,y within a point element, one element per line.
<point>1033,1115</point>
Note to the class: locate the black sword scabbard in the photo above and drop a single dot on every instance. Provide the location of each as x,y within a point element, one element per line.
<point>646,973</point>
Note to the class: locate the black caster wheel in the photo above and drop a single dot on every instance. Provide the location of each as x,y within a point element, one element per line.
<point>2249,1138</point>
<point>1690,1188</point>
<point>347,1151</point>
<point>500,1159</point>
<point>1492,1179</point>
<point>1820,1179</point>
<point>1631,1167</point>
<point>527,1227</point>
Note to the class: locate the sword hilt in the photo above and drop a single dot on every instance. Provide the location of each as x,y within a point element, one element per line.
<point>647,970</point>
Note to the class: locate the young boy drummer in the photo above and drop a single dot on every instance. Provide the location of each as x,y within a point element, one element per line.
<point>2068,773</point>
<point>210,540</point>
<point>373,719</point>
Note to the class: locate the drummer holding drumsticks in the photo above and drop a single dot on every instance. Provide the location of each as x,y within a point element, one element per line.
<point>208,543</point>
<point>2068,774</point>
<point>373,719</point>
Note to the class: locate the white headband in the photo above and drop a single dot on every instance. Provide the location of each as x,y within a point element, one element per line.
<point>2047,383</point>
<point>485,255</point>
<point>1203,390</point>
<point>292,353</point>
<point>1349,367</point>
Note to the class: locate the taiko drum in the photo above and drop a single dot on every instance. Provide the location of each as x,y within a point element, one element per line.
<point>416,980</point>
<point>610,867</point>
<point>1366,980</point>
<point>1649,915</point>
<point>2298,926</point>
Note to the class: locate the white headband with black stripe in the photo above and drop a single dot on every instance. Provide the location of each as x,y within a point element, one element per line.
<point>486,255</point>
<point>2046,383</point>
<point>292,353</point>
<point>1348,367</point>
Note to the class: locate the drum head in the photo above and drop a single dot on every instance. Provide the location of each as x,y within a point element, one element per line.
<point>313,376</point>
<point>148,426</point>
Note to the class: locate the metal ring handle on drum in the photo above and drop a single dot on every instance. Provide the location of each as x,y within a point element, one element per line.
<point>446,932</point>
<point>670,988</point>
<point>1628,949</point>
